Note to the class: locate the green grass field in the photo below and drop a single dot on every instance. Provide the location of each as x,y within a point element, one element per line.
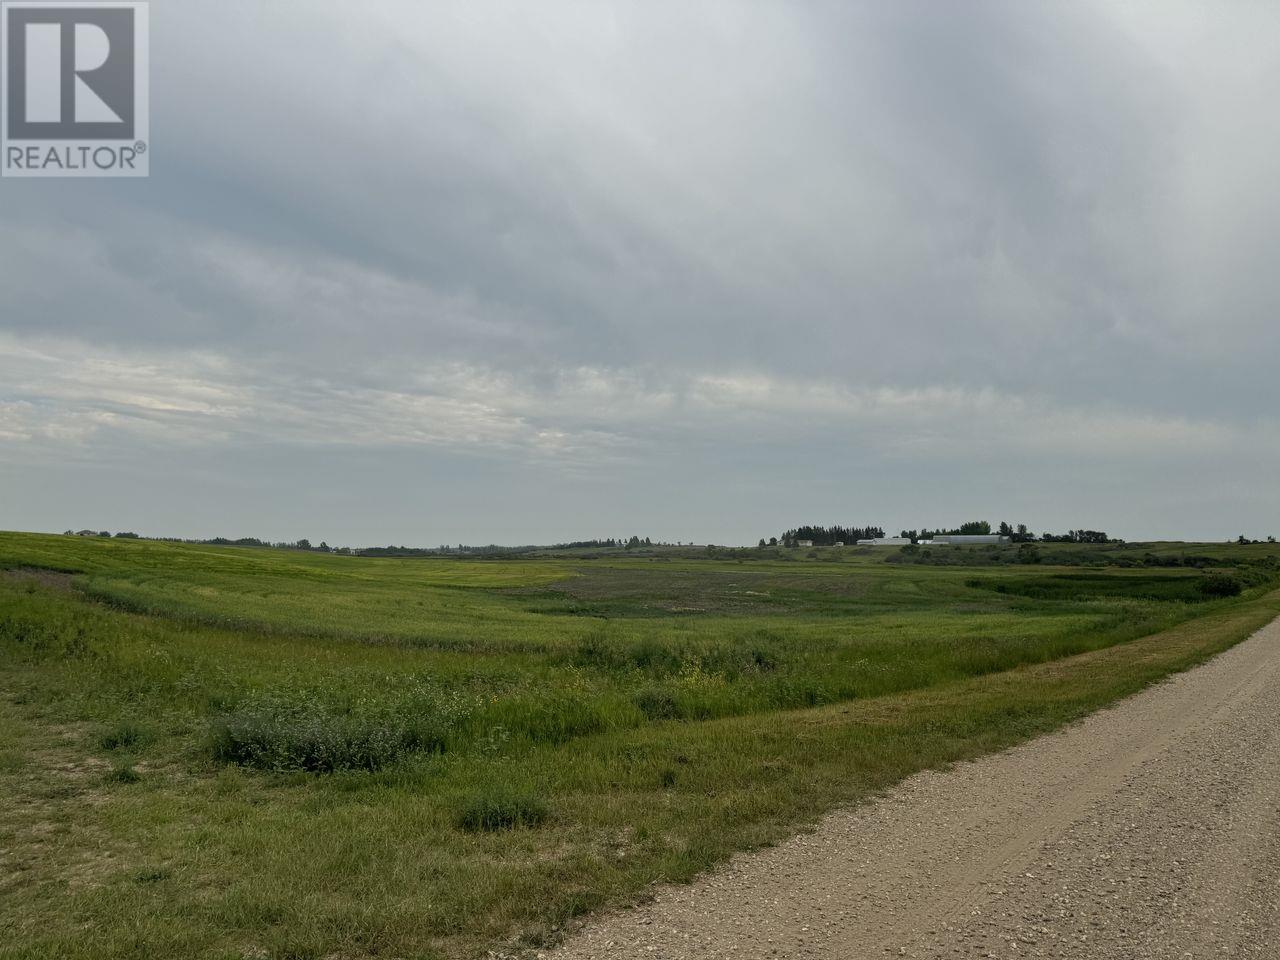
<point>249,753</point>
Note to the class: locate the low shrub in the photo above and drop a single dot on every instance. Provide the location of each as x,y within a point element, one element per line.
<point>1220,585</point>
<point>502,810</point>
<point>274,735</point>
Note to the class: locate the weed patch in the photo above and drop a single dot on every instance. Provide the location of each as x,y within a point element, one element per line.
<point>502,810</point>
<point>125,735</point>
<point>123,773</point>
<point>282,735</point>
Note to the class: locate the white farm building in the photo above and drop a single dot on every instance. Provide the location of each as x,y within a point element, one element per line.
<point>965,540</point>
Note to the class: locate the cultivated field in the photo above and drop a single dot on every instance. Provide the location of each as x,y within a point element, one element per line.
<point>233,752</point>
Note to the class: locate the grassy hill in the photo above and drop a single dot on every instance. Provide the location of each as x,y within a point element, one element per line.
<point>239,752</point>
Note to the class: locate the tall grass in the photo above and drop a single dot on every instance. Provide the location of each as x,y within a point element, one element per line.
<point>502,809</point>
<point>319,732</point>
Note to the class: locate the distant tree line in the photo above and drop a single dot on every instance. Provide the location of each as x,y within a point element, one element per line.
<point>974,528</point>
<point>1017,533</point>
<point>821,536</point>
<point>826,536</point>
<point>303,544</point>
<point>461,549</point>
<point>493,549</point>
<point>1076,536</point>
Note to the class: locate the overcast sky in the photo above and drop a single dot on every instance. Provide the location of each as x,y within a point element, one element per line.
<point>424,272</point>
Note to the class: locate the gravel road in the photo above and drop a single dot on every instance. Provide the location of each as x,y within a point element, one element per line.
<point>1151,829</point>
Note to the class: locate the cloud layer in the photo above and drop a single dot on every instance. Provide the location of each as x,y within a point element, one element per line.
<point>583,268</point>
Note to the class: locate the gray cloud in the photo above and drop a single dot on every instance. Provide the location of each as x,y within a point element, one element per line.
<point>698,270</point>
